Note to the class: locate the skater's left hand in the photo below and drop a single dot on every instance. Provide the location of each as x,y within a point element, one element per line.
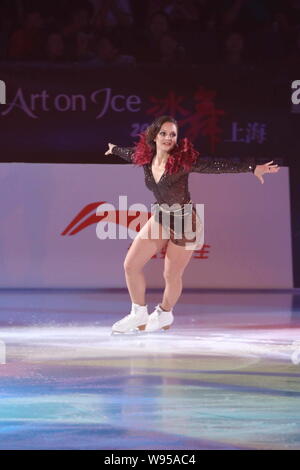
<point>266,168</point>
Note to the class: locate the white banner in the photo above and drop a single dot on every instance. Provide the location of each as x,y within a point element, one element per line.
<point>48,228</point>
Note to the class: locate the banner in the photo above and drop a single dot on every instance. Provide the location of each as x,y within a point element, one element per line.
<point>69,114</point>
<point>49,222</point>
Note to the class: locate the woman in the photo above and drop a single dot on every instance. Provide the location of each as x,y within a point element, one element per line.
<point>166,167</point>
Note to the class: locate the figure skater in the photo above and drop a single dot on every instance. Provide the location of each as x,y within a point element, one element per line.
<point>167,165</point>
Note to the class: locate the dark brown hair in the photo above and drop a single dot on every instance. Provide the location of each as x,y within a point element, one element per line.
<point>183,155</point>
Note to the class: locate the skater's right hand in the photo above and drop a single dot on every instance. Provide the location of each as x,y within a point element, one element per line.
<point>110,147</point>
<point>266,168</point>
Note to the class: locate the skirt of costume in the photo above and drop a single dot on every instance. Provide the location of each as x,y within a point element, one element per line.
<point>183,225</point>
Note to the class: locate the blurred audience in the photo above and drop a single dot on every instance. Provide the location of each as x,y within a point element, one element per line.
<point>6,28</point>
<point>148,47</point>
<point>234,49</point>
<point>164,32</point>
<point>171,52</point>
<point>108,54</point>
<point>55,47</point>
<point>76,32</point>
<point>27,42</point>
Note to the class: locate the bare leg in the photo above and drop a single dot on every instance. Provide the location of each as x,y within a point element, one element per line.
<point>141,251</point>
<point>176,260</point>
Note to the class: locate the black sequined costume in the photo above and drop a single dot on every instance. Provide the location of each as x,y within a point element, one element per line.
<point>173,189</point>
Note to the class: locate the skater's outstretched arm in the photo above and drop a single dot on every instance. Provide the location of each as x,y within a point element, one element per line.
<point>218,165</point>
<point>123,152</point>
<point>207,164</point>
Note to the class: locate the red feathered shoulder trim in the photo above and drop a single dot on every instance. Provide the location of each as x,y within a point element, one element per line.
<point>182,156</point>
<point>142,151</point>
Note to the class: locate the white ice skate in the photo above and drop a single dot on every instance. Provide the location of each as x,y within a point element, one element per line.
<point>159,319</point>
<point>136,320</point>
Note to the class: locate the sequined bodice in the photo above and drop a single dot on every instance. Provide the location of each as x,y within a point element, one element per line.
<point>172,189</point>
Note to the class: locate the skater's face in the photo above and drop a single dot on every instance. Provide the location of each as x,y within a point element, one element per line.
<point>166,137</point>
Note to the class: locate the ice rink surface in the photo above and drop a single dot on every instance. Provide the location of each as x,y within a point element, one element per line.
<point>226,375</point>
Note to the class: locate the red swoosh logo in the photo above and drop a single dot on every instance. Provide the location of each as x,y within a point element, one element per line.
<point>113,216</point>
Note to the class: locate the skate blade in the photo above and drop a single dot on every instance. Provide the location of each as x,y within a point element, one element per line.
<point>162,329</point>
<point>135,331</point>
